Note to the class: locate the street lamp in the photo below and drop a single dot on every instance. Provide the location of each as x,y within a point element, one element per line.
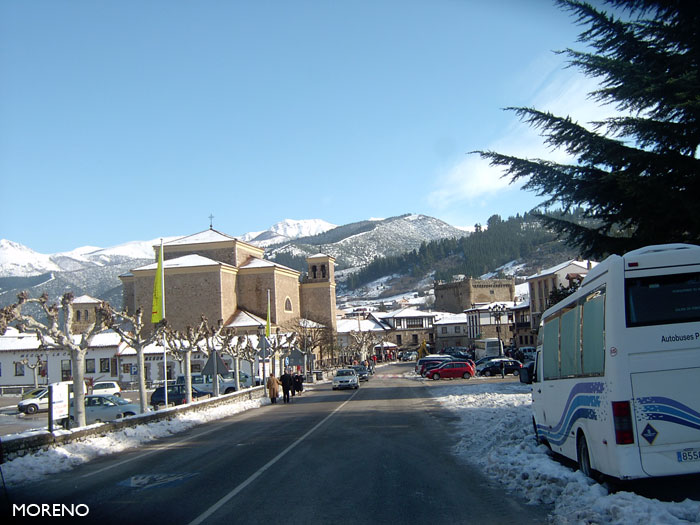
<point>262,344</point>
<point>497,310</point>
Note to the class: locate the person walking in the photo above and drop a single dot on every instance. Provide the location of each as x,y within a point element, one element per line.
<point>273,387</point>
<point>298,384</point>
<point>287,385</point>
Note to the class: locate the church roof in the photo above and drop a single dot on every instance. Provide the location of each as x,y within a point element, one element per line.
<point>242,319</point>
<point>206,236</point>
<point>86,299</point>
<point>186,261</point>
<point>256,262</point>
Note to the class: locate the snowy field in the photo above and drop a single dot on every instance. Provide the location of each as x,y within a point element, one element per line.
<point>494,432</point>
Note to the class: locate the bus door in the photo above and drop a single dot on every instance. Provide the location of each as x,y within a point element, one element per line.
<point>668,425</point>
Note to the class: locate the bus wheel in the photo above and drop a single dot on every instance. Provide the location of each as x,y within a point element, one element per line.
<point>584,458</point>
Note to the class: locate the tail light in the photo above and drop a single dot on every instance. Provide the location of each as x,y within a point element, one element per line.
<point>622,419</point>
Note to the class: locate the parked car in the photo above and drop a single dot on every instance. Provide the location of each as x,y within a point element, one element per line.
<point>346,378</point>
<point>362,372</point>
<point>493,367</point>
<point>34,392</point>
<point>107,387</point>
<point>40,402</point>
<point>452,369</point>
<point>432,358</point>
<point>105,407</point>
<point>206,382</point>
<point>409,356</point>
<point>427,365</point>
<point>176,395</point>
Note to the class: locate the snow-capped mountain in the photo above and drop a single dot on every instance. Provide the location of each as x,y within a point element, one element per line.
<point>95,271</point>
<point>357,244</point>
<point>287,230</point>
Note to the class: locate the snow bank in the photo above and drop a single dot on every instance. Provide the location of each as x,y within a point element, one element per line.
<point>35,466</point>
<point>496,435</point>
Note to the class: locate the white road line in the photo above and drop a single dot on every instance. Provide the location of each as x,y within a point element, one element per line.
<point>157,448</point>
<point>216,506</point>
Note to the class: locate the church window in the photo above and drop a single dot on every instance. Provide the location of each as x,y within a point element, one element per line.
<point>288,305</point>
<point>86,315</point>
<point>323,271</point>
<point>313,271</point>
<point>77,315</point>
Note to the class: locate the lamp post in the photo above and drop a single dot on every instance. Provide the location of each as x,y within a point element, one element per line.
<point>263,343</point>
<point>497,310</point>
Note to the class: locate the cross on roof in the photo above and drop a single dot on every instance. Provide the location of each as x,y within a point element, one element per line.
<point>210,221</point>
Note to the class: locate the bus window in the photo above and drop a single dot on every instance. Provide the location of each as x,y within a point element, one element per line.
<point>550,349</point>
<point>571,343</point>
<point>662,299</point>
<point>594,334</point>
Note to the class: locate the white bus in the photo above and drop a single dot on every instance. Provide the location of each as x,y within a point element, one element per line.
<point>616,383</point>
<point>491,346</point>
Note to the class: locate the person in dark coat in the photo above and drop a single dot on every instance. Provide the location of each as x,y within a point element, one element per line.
<point>287,385</point>
<point>273,387</point>
<point>298,384</point>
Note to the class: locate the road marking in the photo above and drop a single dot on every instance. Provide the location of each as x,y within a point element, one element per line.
<point>216,506</point>
<point>157,448</point>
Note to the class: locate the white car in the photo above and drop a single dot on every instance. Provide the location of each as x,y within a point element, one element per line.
<point>107,387</point>
<point>346,378</point>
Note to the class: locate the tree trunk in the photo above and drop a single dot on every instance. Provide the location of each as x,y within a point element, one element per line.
<point>188,375</point>
<point>142,377</point>
<point>78,359</point>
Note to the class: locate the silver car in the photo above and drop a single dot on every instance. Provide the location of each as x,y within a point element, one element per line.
<point>105,407</point>
<point>346,378</point>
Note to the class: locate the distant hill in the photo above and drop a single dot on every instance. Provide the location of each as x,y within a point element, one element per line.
<point>407,252</point>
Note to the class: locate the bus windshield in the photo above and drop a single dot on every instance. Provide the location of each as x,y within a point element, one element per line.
<point>662,299</point>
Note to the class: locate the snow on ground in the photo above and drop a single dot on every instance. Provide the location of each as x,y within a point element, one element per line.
<point>496,435</point>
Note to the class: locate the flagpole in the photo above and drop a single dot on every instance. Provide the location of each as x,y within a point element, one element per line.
<point>162,309</point>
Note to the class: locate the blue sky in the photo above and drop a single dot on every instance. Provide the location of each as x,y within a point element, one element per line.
<point>133,120</point>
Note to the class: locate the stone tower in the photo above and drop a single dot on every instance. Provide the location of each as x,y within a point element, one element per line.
<point>318,290</point>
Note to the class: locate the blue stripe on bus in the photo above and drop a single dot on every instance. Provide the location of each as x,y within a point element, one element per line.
<point>670,410</point>
<point>583,399</point>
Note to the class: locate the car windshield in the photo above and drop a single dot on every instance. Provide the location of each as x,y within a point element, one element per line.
<point>345,373</point>
<point>117,400</point>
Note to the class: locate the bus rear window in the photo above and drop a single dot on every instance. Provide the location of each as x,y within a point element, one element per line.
<point>662,299</point>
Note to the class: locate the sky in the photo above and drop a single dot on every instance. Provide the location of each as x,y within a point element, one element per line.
<point>133,120</point>
<point>492,429</point>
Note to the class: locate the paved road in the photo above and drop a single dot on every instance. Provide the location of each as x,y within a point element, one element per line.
<point>377,455</point>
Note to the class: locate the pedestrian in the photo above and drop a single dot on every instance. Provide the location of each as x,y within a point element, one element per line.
<point>298,383</point>
<point>503,369</point>
<point>287,385</point>
<point>273,387</point>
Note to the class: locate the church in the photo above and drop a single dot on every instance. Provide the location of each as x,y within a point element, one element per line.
<point>227,279</point>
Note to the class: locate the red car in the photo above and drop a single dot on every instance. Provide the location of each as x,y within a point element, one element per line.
<point>452,369</point>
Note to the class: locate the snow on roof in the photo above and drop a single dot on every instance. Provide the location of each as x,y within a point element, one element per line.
<point>86,299</point>
<point>344,326</point>
<point>16,340</point>
<point>487,306</point>
<point>256,262</point>
<point>242,318</point>
<point>186,261</point>
<point>450,318</point>
<point>320,255</point>
<point>405,312</point>
<point>205,236</point>
<point>554,269</point>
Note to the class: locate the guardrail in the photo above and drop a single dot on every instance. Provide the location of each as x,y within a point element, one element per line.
<point>13,447</point>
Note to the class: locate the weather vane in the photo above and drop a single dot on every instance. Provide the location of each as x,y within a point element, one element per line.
<point>211,217</point>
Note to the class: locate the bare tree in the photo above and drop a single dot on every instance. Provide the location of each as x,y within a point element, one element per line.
<point>130,329</point>
<point>281,346</point>
<point>309,335</point>
<point>34,367</point>
<point>53,337</point>
<point>183,344</point>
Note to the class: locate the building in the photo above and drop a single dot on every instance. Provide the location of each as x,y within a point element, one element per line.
<point>490,320</point>
<point>458,296</point>
<point>542,283</point>
<point>213,274</point>
<point>407,328</point>
<point>451,330</point>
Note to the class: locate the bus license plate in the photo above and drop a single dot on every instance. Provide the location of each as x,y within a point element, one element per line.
<point>689,454</point>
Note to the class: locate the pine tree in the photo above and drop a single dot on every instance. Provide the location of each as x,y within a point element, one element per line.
<point>637,177</point>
